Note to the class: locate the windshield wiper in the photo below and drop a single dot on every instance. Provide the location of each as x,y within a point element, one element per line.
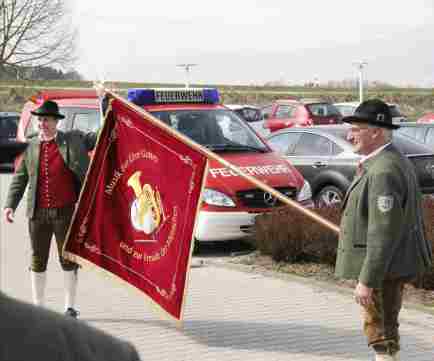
<point>235,147</point>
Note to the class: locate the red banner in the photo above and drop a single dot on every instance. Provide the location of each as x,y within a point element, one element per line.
<point>137,210</point>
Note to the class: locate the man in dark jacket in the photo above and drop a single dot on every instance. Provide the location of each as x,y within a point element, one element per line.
<point>33,333</point>
<point>381,242</point>
<point>53,167</point>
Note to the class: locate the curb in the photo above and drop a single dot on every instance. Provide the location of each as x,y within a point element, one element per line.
<point>323,285</point>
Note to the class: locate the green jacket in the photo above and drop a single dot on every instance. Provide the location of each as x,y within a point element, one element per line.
<point>73,146</point>
<point>382,232</point>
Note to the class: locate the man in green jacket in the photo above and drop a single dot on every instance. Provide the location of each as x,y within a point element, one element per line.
<point>53,167</point>
<point>381,242</point>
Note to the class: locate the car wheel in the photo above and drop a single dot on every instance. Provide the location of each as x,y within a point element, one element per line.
<point>329,196</point>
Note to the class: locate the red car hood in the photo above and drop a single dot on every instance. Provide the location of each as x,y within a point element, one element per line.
<point>267,167</point>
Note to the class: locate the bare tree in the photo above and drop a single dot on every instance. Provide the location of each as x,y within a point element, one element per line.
<point>35,33</point>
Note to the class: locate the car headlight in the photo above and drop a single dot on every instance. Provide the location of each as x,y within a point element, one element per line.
<point>305,192</point>
<point>216,198</point>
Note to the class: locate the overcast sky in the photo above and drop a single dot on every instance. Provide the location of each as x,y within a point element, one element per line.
<point>255,41</point>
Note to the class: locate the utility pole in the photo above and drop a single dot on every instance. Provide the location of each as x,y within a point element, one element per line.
<point>187,67</point>
<point>360,65</point>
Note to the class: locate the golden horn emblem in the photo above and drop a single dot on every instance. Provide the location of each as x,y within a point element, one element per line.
<point>147,199</point>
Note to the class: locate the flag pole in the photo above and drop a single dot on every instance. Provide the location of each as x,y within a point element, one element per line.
<point>211,155</point>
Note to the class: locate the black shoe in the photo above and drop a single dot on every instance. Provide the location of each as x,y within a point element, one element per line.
<point>72,313</point>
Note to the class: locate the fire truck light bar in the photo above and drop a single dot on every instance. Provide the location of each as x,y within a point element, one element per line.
<point>166,96</point>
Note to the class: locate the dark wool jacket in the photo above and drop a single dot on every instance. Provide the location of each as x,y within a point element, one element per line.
<point>34,333</point>
<point>382,232</point>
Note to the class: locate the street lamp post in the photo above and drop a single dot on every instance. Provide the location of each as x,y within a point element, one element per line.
<point>360,65</point>
<point>187,67</point>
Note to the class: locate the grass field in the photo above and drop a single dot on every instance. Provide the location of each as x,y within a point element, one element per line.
<point>412,101</point>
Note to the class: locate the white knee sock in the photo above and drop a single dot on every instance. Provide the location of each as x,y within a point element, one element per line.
<point>384,357</point>
<point>39,279</point>
<point>71,279</point>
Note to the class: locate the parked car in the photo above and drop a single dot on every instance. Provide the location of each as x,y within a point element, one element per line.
<point>348,108</point>
<point>230,203</point>
<point>327,161</point>
<point>421,132</point>
<point>426,118</point>
<point>8,134</point>
<point>286,113</point>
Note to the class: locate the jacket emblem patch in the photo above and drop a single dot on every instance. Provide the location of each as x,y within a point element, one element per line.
<point>385,203</point>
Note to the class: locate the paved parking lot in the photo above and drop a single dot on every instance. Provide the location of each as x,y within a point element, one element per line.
<point>230,315</point>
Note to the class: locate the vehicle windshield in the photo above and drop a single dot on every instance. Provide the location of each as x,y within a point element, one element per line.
<point>217,129</point>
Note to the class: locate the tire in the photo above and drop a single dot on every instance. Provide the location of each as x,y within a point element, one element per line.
<point>329,196</point>
<point>196,247</point>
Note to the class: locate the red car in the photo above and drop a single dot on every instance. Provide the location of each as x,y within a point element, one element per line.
<point>427,118</point>
<point>286,113</point>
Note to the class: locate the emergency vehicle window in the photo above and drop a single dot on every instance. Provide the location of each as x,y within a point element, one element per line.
<point>218,127</point>
<point>231,130</point>
<point>313,145</point>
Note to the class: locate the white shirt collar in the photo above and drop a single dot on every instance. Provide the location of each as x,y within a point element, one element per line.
<point>373,154</point>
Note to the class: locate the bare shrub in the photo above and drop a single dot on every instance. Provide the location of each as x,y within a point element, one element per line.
<point>289,236</point>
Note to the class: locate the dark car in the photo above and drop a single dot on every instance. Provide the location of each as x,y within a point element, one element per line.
<point>9,146</point>
<point>422,132</point>
<point>327,161</point>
